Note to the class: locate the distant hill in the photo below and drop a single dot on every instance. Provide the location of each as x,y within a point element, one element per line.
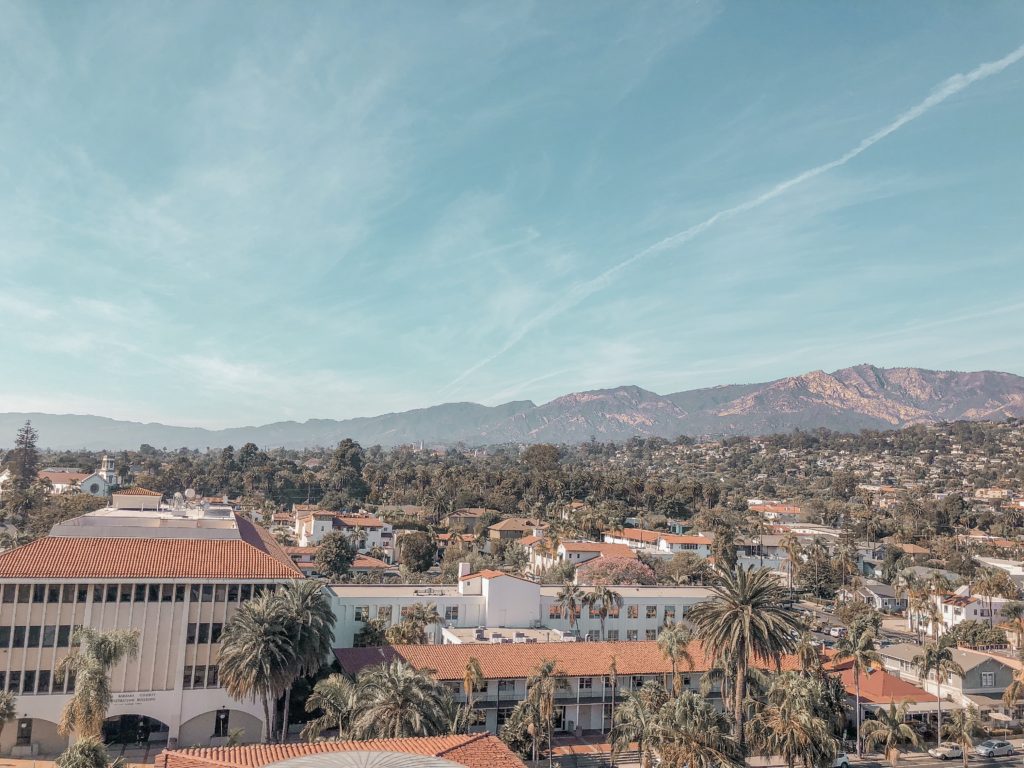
<point>850,399</point>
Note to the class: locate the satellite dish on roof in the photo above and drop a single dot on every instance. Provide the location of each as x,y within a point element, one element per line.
<point>190,493</point>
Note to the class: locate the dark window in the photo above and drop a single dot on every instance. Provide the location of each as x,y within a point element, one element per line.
<point>28,684</point>
<point>69,593</point>
<point>83,591</point>
<point>5,637</point>
<point>246,591</point>
<point>193,593</point>
<point>63,635</point>
<point>38,593</point>
<point>49,636</point>
<point>232,593</point>
<point>204,634</point>
<point>154,593</point>
<point>19,636</point>
<point>179,593</point>
<point>140,593</point>
<point>14,682</point>
<point>211,676</point>
<point>220,723</point>
<point>43,686</point>
<point>166,593</point>
<point>190,634</point>
<point>111,594</point>
<point>70,683</point>
<point>34,633</point>
<point>199,681</point>
<point>24,591</point>
<point>53,593</point>
<point>215,629</point>
<point>9,590</point>
<point>24,736</point>
<point>207,593</point>
<point>186,680</point>
<point>126,593</point>
<point>3,681</point>
<point>97,593</point>
<point>219,593</point>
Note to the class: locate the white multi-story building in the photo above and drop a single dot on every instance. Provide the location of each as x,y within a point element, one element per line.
<point>175,574</point>
<point>495,600</point>
<point>313,523</point>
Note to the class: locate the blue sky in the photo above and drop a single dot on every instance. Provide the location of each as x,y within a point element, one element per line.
<point>232,213</point>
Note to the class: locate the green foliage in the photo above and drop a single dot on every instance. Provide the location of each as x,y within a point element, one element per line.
<point>418,551</point>
<point>335,556</point>
<point>973,633</point>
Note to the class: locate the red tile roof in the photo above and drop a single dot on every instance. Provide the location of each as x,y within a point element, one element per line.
<point>474,751</point>
<point>354,521</point>
<point>635,534</point>
<point>62,478</point>
<point>603,549</point>
<point>448,662</point>
<point>256,555</point>
<point>673,538</point>
<point>365,563</point>
<point>879,687</point>
<point>134,491</point>
<point>488,573</point>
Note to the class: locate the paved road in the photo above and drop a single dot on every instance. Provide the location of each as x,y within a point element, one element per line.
<point>829,618</point>
<point>927,761</point>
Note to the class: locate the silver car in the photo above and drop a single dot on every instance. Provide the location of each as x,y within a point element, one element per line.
<point>994,748</point>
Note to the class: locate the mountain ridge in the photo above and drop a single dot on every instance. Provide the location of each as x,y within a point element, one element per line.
<point>849,399</point>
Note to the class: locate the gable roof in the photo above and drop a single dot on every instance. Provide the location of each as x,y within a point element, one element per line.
<point>879,687</point>
<point>474,751</point>
<point>602,548</point>
<point>448,662</point>
<point>62,478</point>
<point>136,491</point>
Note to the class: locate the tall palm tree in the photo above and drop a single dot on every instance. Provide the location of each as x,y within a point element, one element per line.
<point>604,602</point>
<point>1013,614</point>
<point>789,726</point>
<point>637,720</point>
<point>472,677</point>
<point>396,701</point>
<point>257,656</point>
<point>540,690</point>
<point>98,652</point>
<point>961,727</point>
<point>1015,690</point>
<point>859,649</point>
<point>613,680</point>
<point>8,708</point>
<point>890,730</point>
<point>937,660</point>
<point>335,697</point>
<point>307,614</point>
<point>674,642</point>
<point>790,542</point>
<point>691,733</point>
<point>88,752</point>
<point>745,621</point>
<point>808,655</point>
<point>995,583</point>
<point>569,601</point>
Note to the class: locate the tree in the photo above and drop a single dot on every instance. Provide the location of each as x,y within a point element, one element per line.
<point>8,708</point>
<point>790,727</point>
<point>858,648</point>
<point>937,660</point>
<point>396,701</point>
<point>1013,614</point>
<point>412,629</point>
<point>335,697</point>
<point>418,551</point>
<point>307,614</point>
<point>961,727</point>
<point>692,733</point>
<point>570,602</point>
<point>972,633</point>
<point>540,691</point>
<point>637,720</point>
<point>627,571</point>
<point>604,602</point>
<point>87,752</point>
<point>674,643</point>
<point>744,621</point>
<point>995,582</point>
<point>472,678</point>
<point>335,556</point>
<point>23,460</point>
<point>372,633</point>
<point>889,731</point>
<point>97,653</point>
<point>523,728</point>
<point>257,657</point>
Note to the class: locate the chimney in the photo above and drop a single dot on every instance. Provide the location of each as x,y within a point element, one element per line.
<point>464,570</point>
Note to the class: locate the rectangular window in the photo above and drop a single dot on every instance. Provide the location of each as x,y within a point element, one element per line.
<point>220,723</point>
<point>246,592</point>
<point>193,593</point>
<point>38,593</point>
<point>166,593</point>
<point>554,611</point>
<point>632,611</point>
<point>988,679</point>
<point>636,682</point>
<point>53,593</point>
<point>97,593</point>
<point>586,683</point>
<point>203,636</point>
<point>199,680</point>
<point>670,614</point>
<point>43,684</point>
<point>140,592</point>
<point>220,592</point>
<point>451,613</point>
<point>3,681</point>
<point>111,593</point>
<point>211,676</point>
<point>186,678</point>
<point>19,636</point>
<point>652,611</point>
<point>9,590</point>
<point>384,612</point>
<point>5,637</point>
<point>24,592</point>
<point>126,593</point>
<point>651,634</point>
<point>594,635</point>
<point>477,717</point>
<point>63,635</point>
<point>362,613</point>
<point>215,631</point>
<point>154,593</point>
<point>69,591</point>
<point>81,592</point>
<point>49,636</point>
<point>14,682</point>
<point>207,593</point>
<point>190,634</point>
<point>506,686</point>
<point>504,713</point>
<point>28,683</point>
<point>179,593</point>
<point>613,635</point>
<point>232,593</point>
<point>613,612</point>
<point>631,635</point>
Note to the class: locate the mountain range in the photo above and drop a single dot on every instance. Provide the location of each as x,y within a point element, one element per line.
<point>850,399</point>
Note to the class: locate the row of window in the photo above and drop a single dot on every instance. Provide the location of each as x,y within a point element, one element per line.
<point>508,687</point>
<point>200,677</point>
<point>203,633</point>
<point>36,636</point>
<point>362,612</point>
<point>35,681</point>
<point>128,593</point>
<point>668,615</point>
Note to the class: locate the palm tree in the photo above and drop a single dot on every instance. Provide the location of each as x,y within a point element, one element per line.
<point>1015,690</point>
<point>637,720</point>
<point>88,752</point>
<point>808,655</point>
<point>860,650</point>
<point>889,731</point>
<point>744,622</point>
<point>937,660</point>
<point>540,690</point>
<point>308,615</point>
<point>604,602</point>
<point>789,726</point>
<point>995,583</point>
<point>1013,614</point>
<point>569,601</point>
<point>691,733</point>
<point>674,642</point>
<point>8,708</point>
<point>97,654</point>
<point>613,680</point>
<point>257,656</point>
<point>472,677</point>
<point>790,542</point>
<point>961,727</point>
<point>396,701</point>
<point>335,696</point>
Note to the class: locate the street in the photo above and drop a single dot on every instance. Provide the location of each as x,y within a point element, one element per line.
<point>927,761</point>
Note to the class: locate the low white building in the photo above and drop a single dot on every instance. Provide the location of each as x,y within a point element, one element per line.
<point>369,532</point>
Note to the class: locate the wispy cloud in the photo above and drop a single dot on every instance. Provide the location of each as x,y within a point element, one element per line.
<point>579,292</point>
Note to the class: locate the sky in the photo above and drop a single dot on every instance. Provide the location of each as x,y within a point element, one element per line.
<point>231,213</point>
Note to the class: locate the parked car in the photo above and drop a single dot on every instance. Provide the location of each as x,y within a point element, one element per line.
<point>837,632</point>
<point>842,761</point>
<point>946,750</point>
<point>994,748</point>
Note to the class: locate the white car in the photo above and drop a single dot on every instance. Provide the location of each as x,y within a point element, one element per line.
<point>842,761</point>
<point>994,748</point>
<point>837,632</point>
<point>946,750</point>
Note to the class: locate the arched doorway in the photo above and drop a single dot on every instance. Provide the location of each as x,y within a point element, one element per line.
<point>134,730</point>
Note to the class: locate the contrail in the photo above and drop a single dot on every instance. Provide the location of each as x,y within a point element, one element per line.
<point>580,291</point>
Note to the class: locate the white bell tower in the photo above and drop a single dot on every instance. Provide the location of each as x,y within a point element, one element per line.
<point>107,469</point>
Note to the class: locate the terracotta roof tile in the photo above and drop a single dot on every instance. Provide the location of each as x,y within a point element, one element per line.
<point>474,751</point>
<point>365,562</point>
<point>62,478</point>
<point>448,662</point>
<point>137,492</point>
<point>602,548</point>
<point>879,687</point>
